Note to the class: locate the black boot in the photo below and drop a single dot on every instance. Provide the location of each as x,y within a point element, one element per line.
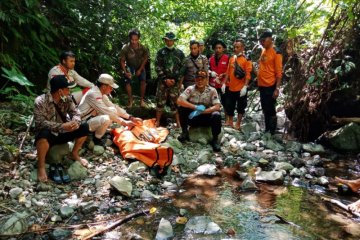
<point>267,123</point>
<point>272,124</point>
<point>184,136</point>
<point>215,145</point>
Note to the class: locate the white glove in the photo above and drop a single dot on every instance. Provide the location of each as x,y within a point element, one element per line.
<point>213,74</point>
<point>223,88</point>
<point>243,91</point>
<point>217,80</point>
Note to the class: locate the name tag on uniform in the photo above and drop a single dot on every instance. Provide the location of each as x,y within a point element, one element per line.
<point>223,62</point>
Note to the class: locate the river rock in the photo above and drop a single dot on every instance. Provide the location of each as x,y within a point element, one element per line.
<point>324,181</point>
<point>98,150</point>
<point>250,147</point>
<point>15,192</point>
<point>295,172</point>
<point>293,146</point>
<point>248,185</point>
<point>165,230</point>
<point>197,224</point>
<point>66,211</point>
<point>77,172</point>
<point>313,148</point>
<point>89,207</point>
<point>242,175</point>
<point>346,138</point>
<point>270,143</point>
<point>206,169</point>
<point>212,228</point>
<point>122,185</point>
<point>201,135</point>
<point>297,162</point>
<point>56,218</point>
<point>60,234</point>
<point>263,162</point>
<point>148,196</point>
<point>204,156</point>
<point>175,144</point>
<point>283,166</point>
<point>15,223</point>
<point>6,156</point>
<point>249,128</point>
<point>318,172</point>
<point>136,166</point>
<point>275,177</point>
<point>57,153</point>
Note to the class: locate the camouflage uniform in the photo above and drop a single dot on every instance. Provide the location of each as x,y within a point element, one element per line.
<point>168,66</point>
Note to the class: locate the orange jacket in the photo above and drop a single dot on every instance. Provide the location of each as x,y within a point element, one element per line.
<point>270,67</point>
<point>236,84</point>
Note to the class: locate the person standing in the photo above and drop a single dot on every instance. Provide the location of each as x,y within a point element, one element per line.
<point>218,67</point>
<point>238,83</point>
<point>168,64</point>
<point>133,59</point>
<point>66,68</point>
<point>193,63</point>
<point>269,79</point>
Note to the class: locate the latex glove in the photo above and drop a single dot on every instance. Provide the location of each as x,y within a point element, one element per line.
<point>194,114</point>
<point>200,108</point>
<point>243,91</point>
<point>213,74</point>
<point>217,80</point>
<point>223,87</point>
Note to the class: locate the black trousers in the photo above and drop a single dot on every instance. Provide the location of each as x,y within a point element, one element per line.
<point>234,100</point>
<point>203,120</point>
<point>268,107</point>
<point>61,138</point>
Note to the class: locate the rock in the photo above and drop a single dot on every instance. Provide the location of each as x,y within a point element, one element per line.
<point>248,185</point>
<point>296,172</point>
<point>57,153</point>
<point>198,133</point>
<point>206,169</point>
<point>89,207</point>
<point>242,175</point>
<point>122,185</point>
<point>98,150</point>
<point>15,223</point>
<point>43,187</point>
<point>113,235</point>
<point>323,181</point>
<point>270,143</point>
<point>15,192</point>
<point>263,162</point>
<point>293,146</point>
<point>204,156</point>
<point>212,228</point>
<point>6,156</point>
<point>250,147</point>
<point>136,166</point>
<point>249,128</point>
<point>175,144</point>
<point>165,230</point>
<point>283,166</point>
<point>148,196</point>
<point>313,148</point>
<point>318,172</point>
<point>275,177</point>
<point>77,172</point>
<point>66,211</point>
<point>197,224</point>
<point>306,155</point>
<point>56,218</point>
<point>60,234</point>
<point>346,138</point>
<point>169,186</point>
<point>297,162</point>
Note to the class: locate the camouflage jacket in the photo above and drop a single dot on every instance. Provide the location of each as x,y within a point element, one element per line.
<point>168,63</point>
<point>46,116</point>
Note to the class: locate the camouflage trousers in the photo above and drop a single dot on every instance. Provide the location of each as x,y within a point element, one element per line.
<point>167,95</point>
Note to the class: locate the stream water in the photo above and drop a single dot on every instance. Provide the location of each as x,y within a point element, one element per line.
<point>253,215</point>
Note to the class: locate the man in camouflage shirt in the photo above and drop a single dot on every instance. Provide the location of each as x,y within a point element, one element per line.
<point>57,121</point>
<point>193,63</point>
<point>168,66</point>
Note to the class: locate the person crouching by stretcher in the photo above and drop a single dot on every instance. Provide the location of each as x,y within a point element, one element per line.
<point>99,112</point>
<point>66,67</point>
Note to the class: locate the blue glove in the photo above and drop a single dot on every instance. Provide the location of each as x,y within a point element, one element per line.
<point>194,114</point>
<point>200,108</point>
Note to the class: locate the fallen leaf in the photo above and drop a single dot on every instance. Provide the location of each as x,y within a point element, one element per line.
<point>181,220</point>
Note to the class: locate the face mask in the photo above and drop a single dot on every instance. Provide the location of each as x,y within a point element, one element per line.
<point>172,47</point>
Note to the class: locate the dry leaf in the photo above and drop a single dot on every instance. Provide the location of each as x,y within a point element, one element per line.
<point>181,220</point>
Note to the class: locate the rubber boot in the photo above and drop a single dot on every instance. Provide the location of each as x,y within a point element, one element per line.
<point>215,145</point>
<point>272,124</point>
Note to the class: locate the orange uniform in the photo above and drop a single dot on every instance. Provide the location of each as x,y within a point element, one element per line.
<point>236,84</point>
<point>270,67</point>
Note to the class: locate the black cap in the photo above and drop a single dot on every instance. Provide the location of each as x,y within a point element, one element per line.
<point>218,42</point>
<point>58,82</point>
<point>265,34</point>
<point>170,36</point>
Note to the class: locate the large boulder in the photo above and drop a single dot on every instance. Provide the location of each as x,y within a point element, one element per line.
<point>201,135</point>
<point>56,153</point>
<point>77,171</point>
<point>346,138</point>
<point>165,230</point>
<point>313,148</point>
<point>13,224</point>
<point>122,185</point>
<point>275,177</point>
